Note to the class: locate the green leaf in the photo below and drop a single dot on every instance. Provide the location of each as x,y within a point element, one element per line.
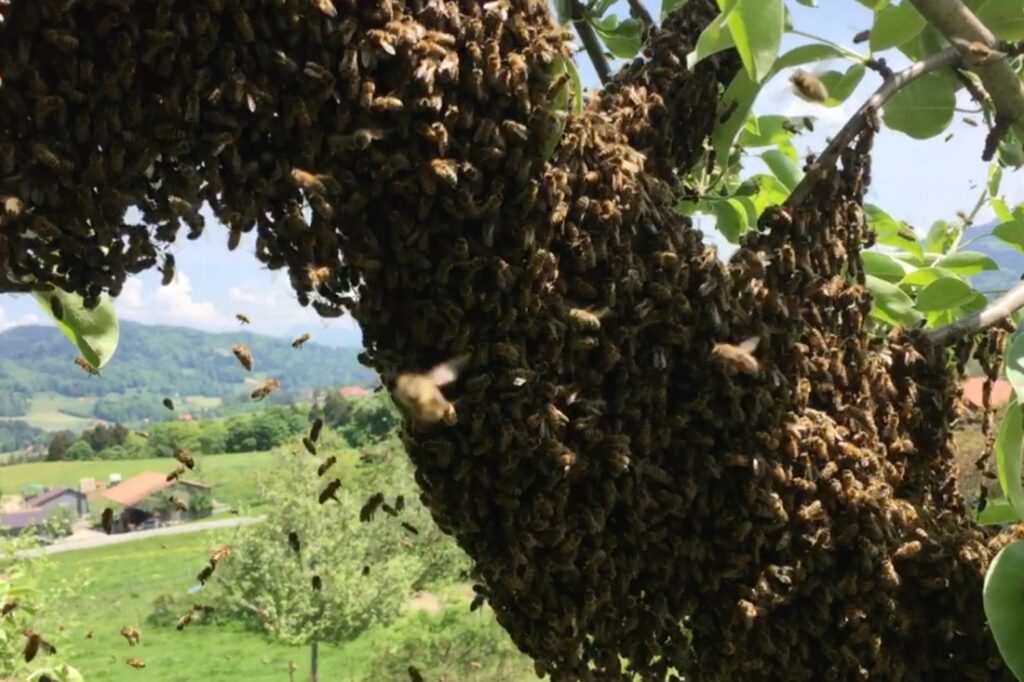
<point>995,513</point>
<point>1015,366</point>
<point>1001,210</point>
<point>942,235</point>
<point>770,192</point>
<point>1008,450</point>
<point>559,104</point>
<point>715,37</point>
<point>923,108</point>
<point>622,39</point>
<point>891,304</point>
<point>922,277</point>
<point>764,131</point>
<point>884,266</point>
<point>577,87</point>
<point>730,218</point>
<point>944,294</point>
<point>1011,154</point>
<point>1011,233</point>
<point>94,332</point>
<point>563,11</point>
<point>669,5</point>
<point>757,26</point>
<point>841,85</point>
<point>1003,595</point>
<point>783,167</point>
<point>995,178</point>
<point>895,25</point>
<point>1005,18</point>
<point>891,232</point>
<point>808,3</point>
<point>806,54</point>
<point>967,263</point>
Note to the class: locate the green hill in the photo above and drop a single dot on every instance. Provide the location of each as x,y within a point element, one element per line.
<point>40,384</point>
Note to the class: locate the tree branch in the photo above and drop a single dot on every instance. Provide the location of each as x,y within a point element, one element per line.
<point>590,41</point>
<point>997,311</point>
<point>962,28</point>
<point>857,122</point>
<point>640,13</point>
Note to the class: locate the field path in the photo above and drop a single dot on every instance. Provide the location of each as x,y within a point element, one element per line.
<point>99,540</point>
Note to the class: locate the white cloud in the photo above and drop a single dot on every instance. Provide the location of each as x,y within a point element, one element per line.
<point>172,304</point>
<point>274,309</point>
<point>6,322</point>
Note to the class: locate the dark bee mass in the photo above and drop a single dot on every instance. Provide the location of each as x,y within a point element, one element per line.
<point>307,443</point>
<point>314,430</point>
<point>293,541</point>
<point>369,508</point>
<point>107,520</point>
<point>169,404</point>
<point>633,507</point>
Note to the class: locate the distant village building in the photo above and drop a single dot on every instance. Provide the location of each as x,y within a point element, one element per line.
<point>973,392</point>
<point>144,497</point>
<point>40,507</point>
<point>353,392</point>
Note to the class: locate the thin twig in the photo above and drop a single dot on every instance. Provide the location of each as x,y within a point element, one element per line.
<point>640,13</point>
<point>994,313</point>
<point>590,41</point>
<point>857,122</point>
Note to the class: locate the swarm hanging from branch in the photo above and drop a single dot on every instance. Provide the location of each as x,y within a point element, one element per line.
<point>623,493</point>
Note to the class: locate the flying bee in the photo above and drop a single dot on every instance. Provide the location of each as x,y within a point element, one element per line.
<point>477,602</point>
<point>414,674</point>
<point>179,505</point>
<point>370,507</point>
<point>167,269</point>
<point>56,307</point>
<point>185,620</point>
<point>205,574</point>
<point>388,509</point>
<point>242,318</point>
<point>314,430</point>
<point>327,464</point>
<point>293,541</point>
<point>131,634</point>
<point>85,365</point>
<point>809,86</point>
<point>400,503</point>
<point>330,492</point>
<point>219,553</point>
<point>141,434</point>
<point>307,443</point>
<point>297,343</point>
<point>136,663</point>
<point>244,355</point>
<point>265,389</point>
<point>107,520</point>
<point>586,320</point>
<point>411,528</point>
<point>9,606</point>
<point>970,121</point>
<point>317,583</point>
<point>366,571</point>
<point>169,404</point>
<point>183,456</point>
<point>421,394</point>
<point>35,644</point>
<point>740,357</point>
<point>862,37</point>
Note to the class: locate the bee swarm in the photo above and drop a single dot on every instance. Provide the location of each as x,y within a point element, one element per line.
<point>624,496</point>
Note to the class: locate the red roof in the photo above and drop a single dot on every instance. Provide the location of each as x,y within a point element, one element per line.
<point>353,392</point>
<point>138,488</point>
<point>1001,391</point>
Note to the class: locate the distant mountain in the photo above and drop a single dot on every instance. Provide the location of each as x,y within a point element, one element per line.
<point>1009,259</point>
<point>169,361</point>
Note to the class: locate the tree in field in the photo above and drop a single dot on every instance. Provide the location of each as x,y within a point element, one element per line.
<point>80,450</point>
<point>59,444</point>
<point>662,463</point>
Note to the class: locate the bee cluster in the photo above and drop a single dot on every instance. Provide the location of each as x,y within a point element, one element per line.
<point>626,491</point>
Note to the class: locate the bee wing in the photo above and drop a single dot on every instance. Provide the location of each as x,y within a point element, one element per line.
<point>447,372</point>
<point>750,345</point>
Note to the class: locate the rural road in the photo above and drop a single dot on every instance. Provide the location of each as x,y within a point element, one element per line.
<point>100,540</point>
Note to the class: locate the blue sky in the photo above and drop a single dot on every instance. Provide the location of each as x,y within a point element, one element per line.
<point>916,181</point>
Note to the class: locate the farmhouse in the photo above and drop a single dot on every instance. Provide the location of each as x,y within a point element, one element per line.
<point>147,496</point>
<point>60,497</point>
<point>353,392</point>
<point>13,523</point>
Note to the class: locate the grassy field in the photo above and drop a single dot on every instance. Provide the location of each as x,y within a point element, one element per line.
<point>52,412</point>
<point>115,586</point>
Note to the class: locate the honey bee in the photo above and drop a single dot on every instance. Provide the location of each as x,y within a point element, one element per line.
<point>205,574</point>
<point>586,320</point>
<point>141,434</point>
<point>8,607</point>
<point>183,456</point>
<point>809,86</point>
<point>400,503</point>
<point>444,170</point>
<point>60,39</point>
<point>388,509</point>
<point>131,634</point>
<point>179,505</point>
<point>265,389</point>
<point>970,121</point>
<point>35,644</point>
<point>318,276</point>
<point>136,662</point>
<point>185,620</point>
<point>421,395</point>
<point>307,442</point>
<point>366,571</point>
<point>13,206</point>
<point>298,343</point>
<point>84,364</point>
<point>176,474</point>
<point>411,528</point>
<point>107,520</point>
<point>220,553</point>
<point>169,404</point>
<point>244,355</point>
<point>327,464</point>
<point>310,181</point>
<point>862,37</point>
<point>242,318</point>
<point>330,492</point>
<point>314,430</point>
<point>317,583</point>
<point>738,358</point>
<point>368,509</point>
<point>293,541</point>
<point>56,307</point>
<point>326,6</point>
<point>167,270</point>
